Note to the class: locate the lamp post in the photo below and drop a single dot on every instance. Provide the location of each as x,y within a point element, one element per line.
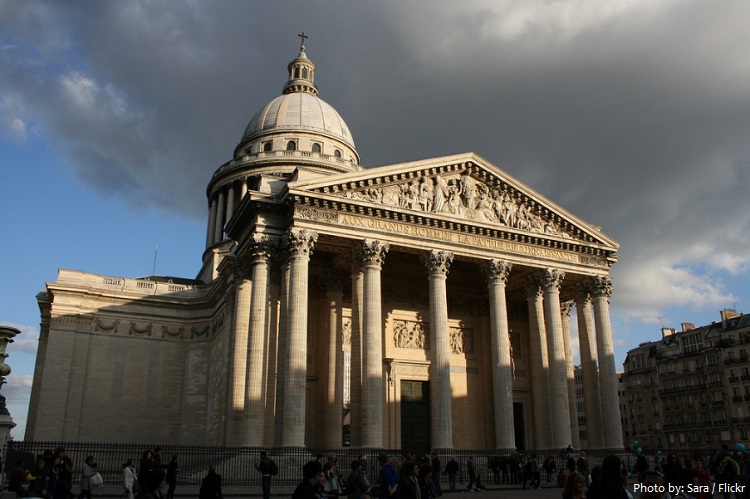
<point>6,422</point>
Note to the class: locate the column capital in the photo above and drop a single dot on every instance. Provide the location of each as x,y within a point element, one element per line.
<point>260,247</point>
<point>497,271</point>
<point>551,279</point>
<point>582,294</point>
<point>601,286</point>
<point>299,242</point>
<point>565,308</point>
<point>241,270</point>
<point>533,287</point>
<point>437,262</point>
<point>373,253</point>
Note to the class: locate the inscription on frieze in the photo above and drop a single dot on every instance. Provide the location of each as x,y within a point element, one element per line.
<point>473,240</point>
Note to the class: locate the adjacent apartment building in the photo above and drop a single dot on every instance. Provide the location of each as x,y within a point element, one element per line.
<point>691,388</point>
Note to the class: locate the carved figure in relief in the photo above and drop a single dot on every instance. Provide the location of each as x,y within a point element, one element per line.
<point>485,205</point>
<point>454,198</point>
<point>412,196</point>
<point>468,191</point>
<point>426,194</point>
<point>441,194</point>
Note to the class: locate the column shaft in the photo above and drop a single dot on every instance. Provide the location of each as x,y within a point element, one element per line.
<point>558,384</point>
<point>601,291</point>
<point>441,418</point>
<point>230,202</point>
<point>236,404</point>
<point>219,224</point>
<point>539,366</point>
<point>355,380</point>
<point>335,387</point>
<point>281,355</point>
<point>299,245</point>
<point>372,350</point>
<point>211,224</point>
<point>571,375</point>
<point>589,374</point>
<point>255,406</point>
<point>502,370</point>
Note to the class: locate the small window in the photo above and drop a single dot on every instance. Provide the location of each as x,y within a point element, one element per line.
<point>304,72</point>
<point>291,146</point>
<point>316,148</point>
<point>267,147</point>
<point>337,153</point>
<point>296,72</point>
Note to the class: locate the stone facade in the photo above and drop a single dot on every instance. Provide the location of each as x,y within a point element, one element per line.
<point>445,271</point>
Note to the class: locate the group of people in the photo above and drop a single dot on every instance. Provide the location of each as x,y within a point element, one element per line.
<point>50,477</point>
<point>148,481</point>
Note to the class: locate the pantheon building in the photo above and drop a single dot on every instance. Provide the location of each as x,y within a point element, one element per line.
<point>428,301</point>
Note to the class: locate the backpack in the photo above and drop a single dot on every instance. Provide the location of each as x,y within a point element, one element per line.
<point>274,468</point>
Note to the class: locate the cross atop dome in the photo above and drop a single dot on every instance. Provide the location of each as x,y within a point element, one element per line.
<point>302,44</point>
<point>301,72</point>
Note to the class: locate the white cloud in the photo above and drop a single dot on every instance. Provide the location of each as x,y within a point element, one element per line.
<point>17,389</point>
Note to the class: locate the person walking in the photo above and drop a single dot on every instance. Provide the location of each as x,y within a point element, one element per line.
<point>129,480</point>
<point>172,468</point>
<point>211,485</point>
<point>89,470</point>
<point>265,466</point>
<point>451,469</point>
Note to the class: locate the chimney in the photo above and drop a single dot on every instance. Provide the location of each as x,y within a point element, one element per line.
<point>687,326</point>
<point>667,331</point>
<point>727,314</point>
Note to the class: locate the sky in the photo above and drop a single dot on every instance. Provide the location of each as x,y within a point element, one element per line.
<point>632,114</point>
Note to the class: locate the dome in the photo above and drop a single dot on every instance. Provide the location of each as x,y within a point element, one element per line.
<point>299,111</point>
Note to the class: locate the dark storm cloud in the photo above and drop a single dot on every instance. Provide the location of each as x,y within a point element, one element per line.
<point>632,115</point>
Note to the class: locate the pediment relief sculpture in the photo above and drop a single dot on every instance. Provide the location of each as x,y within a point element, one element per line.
<point>463,196</point>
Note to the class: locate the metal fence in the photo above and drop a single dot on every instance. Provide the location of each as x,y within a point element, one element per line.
<point>236,465</point>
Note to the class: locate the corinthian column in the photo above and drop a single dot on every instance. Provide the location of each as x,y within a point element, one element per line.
<point>601,290</point>
<point>355,379</point>
<point>589,372</point>
<point>211,223</point>
<point>219,225</point>
<point>237,368</point>
<point>371,415</point>
<point>502,370</point>
<point>539,365</point>
<point>571,373</point>
<point>558,385</point>
<point>441,420</point>
<point>255,407</point>
<point>282,346</point>
<point>299,245</point>
<point>332,436</point>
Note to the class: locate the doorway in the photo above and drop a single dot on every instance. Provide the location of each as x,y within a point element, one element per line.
<point>415,417</point>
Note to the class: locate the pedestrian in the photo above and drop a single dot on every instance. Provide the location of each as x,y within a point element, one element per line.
<point>575,487</point>
<point>129,480</point>
<point>387,478</point>
<point>472,472</point>
<point>452,469</point>
<point>312,481</point>
<point>265,466</point>
<point>211,485</point>
<point>89,470</point>
<point>332,486</point>
<point>154,484</point>
<point>436,471</point>
<point>37,478</point>
<point>356,483</point>
<point>408,483</point>
<point>172,468</point>
<point>146,467</point>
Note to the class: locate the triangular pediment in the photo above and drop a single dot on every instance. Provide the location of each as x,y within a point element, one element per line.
<point>466,188</point>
